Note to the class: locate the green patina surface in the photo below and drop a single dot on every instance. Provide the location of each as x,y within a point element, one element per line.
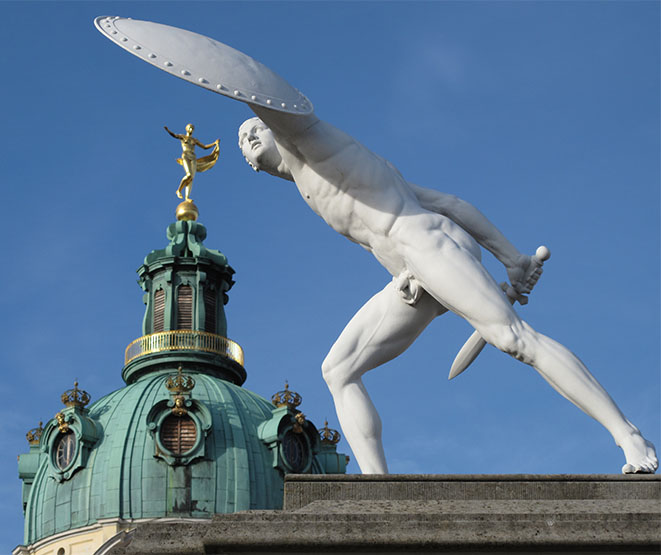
<point>124,479</point>
<point>123,474</point>
<point>186,261</point>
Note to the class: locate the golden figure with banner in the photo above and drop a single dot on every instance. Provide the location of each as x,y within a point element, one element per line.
<point>190,162</point>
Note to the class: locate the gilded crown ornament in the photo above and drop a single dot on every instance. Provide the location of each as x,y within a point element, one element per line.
<point>286,398</point>
<point>328,435</point>
<point>75,397</point>
<point>34,435</point>
<point>179,383</point>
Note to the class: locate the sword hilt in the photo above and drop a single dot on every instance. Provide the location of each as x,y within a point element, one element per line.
<point>541,255</point>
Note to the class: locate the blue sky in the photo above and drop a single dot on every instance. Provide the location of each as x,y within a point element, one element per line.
<point>545,115</point>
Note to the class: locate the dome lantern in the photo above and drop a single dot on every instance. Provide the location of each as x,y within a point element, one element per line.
<point>186,287</point>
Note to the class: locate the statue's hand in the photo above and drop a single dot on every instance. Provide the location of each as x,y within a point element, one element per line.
<point>526,270</point>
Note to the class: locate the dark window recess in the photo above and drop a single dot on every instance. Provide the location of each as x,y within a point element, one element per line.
<point>159,310</point>
<point>294,450</point>
<point>178,434</point>
<point>185,308</point>
<point>210,311</point>
<point>65,449</point>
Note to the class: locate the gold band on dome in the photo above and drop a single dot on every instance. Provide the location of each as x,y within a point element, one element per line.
<point>184,340</point>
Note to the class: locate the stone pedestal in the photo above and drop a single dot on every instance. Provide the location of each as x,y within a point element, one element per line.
<point>431,514</point>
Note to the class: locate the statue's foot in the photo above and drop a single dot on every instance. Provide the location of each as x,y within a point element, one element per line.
<point>179,193</point>
<point>640,455</point>
<point>525,273</point>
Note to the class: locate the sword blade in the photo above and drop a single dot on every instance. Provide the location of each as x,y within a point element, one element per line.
<point>467,354</point>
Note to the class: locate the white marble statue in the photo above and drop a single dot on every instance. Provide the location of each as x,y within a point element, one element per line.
<point>428,241</point>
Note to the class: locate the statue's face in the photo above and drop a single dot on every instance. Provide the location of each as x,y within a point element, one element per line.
<point>190,128</point>
<point>258,145</point>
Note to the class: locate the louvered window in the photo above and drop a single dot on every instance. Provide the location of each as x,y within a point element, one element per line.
<point>210,311</point>
<point>185,308</point>
<point>159,310</point>
<point>178,434</point>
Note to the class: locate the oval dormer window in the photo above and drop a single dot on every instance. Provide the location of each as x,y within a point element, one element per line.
<point>294,450</point>
<point>178,434</point>
<point>65,449</point>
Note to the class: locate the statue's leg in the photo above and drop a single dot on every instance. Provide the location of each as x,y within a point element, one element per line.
<point>382,329</point>
<point>186,184</point>
<point>457,280</point>
<point>183,184</point>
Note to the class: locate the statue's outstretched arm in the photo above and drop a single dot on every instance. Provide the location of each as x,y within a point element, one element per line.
<point>175,135</point>
<point>206,147</point>
<point>471,220</point>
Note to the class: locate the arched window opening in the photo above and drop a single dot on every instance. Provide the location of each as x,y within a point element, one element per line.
<point>185,308</point>
<point>159,311</point>
<point>210,311</point>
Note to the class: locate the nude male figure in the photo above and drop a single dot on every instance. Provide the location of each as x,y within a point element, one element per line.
<point>428,242</point>
<point>188,159</point>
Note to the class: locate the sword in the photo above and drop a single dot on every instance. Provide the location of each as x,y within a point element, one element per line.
<point>473,347</point>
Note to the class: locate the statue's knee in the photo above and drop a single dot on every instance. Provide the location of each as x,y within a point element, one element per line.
<point>327,372</point>
<point>336,373</point>
<point>507,340</point>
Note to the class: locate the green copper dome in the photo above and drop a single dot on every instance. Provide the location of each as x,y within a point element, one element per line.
<point>182,439</point>
<point>123,477</point>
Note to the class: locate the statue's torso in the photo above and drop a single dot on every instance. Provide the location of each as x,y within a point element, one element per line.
<point>359,194</point>
<point>188,145</point>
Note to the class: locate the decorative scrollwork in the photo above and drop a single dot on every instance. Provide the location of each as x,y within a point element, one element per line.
<point>299,422</point>
<point>62,424</point>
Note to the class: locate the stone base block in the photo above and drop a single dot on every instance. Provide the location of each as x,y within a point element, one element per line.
<point>431,514</point>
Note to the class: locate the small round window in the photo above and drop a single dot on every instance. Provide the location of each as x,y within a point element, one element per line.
<point>65,449</point>
<point>178,434</point>
<point>294,450</point>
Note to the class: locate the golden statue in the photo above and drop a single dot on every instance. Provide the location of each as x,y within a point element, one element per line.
<point>190,162</point>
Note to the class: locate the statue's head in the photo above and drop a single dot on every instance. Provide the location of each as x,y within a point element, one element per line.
<point>189,129</point>
<point>258,146</point>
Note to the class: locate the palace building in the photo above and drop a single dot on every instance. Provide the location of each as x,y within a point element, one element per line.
<point>182,440</point>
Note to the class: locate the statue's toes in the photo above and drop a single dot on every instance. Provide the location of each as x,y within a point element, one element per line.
<point>643,468</point>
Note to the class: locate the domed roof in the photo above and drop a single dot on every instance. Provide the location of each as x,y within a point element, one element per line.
<point>175,442</point>
<point>125,476</point>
